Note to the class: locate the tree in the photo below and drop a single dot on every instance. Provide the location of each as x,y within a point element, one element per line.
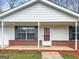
<point>69,4</point>
<point>0,6</point>
<point>11,3</point>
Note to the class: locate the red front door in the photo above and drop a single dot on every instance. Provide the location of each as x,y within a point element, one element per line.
<point>46,41</point>
<point>46,34</point>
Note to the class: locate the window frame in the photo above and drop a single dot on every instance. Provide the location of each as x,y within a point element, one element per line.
<point>26,33</point>
<point>72,34</point>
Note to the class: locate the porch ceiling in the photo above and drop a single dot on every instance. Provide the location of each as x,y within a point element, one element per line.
<point>57,23</point>
<point>21,23</point>
<point>36,23</point>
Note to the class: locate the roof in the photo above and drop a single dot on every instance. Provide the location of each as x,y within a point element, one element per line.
<point>40,1</point>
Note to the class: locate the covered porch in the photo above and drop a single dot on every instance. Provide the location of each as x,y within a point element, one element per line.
<point>58,34</point>
<point>19,34</point>
<point>57,39</point>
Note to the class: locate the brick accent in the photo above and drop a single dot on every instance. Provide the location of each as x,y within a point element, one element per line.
<point>70,43</point>
<point>78,44</point>
<point>23,42</point>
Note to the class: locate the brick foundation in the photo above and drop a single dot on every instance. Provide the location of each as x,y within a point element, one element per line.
<point>70,43</point>
<point>23,42</point>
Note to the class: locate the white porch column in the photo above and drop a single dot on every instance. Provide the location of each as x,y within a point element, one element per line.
<point>2,34</point>
<point>76,25</point>
<point>38,34</point>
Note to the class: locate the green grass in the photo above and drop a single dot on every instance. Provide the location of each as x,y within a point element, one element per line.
<point>22,55</point>
<point>65,56</point>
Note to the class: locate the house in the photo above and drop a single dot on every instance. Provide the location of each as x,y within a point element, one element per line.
<point>39,23</point>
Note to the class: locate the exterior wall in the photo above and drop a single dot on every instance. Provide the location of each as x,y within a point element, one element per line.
<point>23,42</point>
<point>56,38</point>
<point>70,43</point>
<point>58,33</point>
<point>78,44</point>
<point>9,34</point>
<point>0,36</point>
<point>39,12</point>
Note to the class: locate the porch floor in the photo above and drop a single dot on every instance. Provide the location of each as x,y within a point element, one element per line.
<point>36,48</point>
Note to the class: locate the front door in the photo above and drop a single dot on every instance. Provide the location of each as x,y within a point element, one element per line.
<point>46,41</point>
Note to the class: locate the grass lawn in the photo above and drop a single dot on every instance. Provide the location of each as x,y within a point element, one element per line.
<point>66,56</point>
<point>22,55</point>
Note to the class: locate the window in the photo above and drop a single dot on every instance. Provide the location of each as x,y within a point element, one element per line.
<point>72,33</point>
<point>26,32</point>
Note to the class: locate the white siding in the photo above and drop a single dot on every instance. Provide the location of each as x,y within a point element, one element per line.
<point>39,12</point>
<point>9,31</point>
<point>0,36</point>
<point>58,33</point>
<point>8,34</point>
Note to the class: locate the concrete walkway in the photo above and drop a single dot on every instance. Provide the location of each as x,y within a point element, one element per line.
<point>51,55</point>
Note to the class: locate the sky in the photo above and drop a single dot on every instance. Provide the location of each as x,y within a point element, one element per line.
<point>5,6</point>
<point>70,4</point>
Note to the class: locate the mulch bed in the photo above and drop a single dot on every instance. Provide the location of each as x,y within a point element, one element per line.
<point>70,52</point>
<point>76,52</point>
